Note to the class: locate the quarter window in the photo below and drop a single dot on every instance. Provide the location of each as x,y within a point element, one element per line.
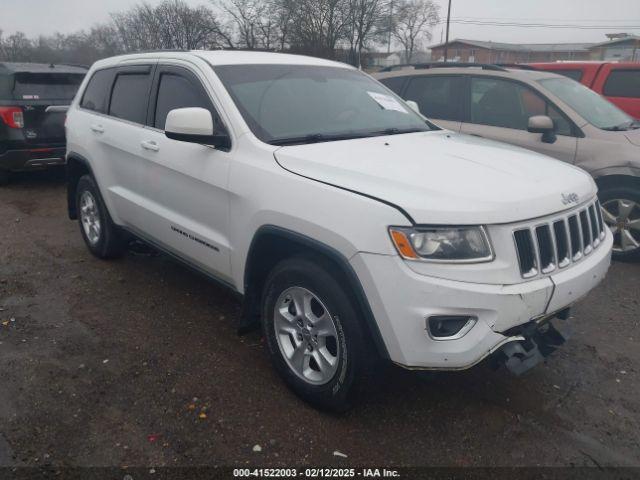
<point>129,98</point>
<point>501,103</point>
<point>439,97</point>
<point>623,83</point>
<point>96,94</point>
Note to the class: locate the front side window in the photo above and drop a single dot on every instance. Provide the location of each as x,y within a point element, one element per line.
<point>588,104</point>
<point>289,104</point>
<point>96,94</point>
<point>439,97</point>
<point>502,103</point>
<point>623,83</point>
<point>178,91</point>
<point>129,97</point>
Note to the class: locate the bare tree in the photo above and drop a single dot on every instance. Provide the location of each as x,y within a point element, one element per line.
<point>412,24</point>
<point>171,24</point>
<point>17,47</point>
<point>318,25</point>
<point>365,22</point>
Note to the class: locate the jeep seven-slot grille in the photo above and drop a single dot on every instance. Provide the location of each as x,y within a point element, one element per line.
<point>546,246</point>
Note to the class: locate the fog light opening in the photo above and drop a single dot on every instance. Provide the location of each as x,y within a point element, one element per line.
<point>449,327</point>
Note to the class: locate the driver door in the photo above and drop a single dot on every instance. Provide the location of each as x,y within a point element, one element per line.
<point>190,196</point>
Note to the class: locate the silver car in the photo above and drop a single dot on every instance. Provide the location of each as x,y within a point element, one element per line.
<point>541,111</point>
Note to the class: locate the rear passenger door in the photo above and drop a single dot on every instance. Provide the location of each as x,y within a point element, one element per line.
<point>440,98</point>
<point>122,131</point>
<point>190,204</point>
<point>500,109</point>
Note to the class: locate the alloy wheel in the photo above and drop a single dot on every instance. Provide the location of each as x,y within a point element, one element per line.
<point>90,217</point>
<point>623,218</point>
<point>306,335</point>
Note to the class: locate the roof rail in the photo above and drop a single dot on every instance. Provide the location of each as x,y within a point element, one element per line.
<point>424,66</point>
<point>520,66</point>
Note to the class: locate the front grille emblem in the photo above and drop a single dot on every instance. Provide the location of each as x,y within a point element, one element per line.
<point>568,198</point>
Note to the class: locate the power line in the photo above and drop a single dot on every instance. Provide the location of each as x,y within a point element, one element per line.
<point>540,25</point>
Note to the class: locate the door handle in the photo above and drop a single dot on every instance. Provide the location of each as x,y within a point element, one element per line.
<point>150,145</point>
<point>97,128</point>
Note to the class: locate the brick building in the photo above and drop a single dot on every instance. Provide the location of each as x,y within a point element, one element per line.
<point>493,52</point>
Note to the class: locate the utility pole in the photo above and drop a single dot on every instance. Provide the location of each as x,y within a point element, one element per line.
<point>446,45</point>
<point>390,26</point>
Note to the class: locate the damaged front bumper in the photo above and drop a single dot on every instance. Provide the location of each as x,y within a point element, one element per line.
<point>535,341</point>
<point>502,319</point>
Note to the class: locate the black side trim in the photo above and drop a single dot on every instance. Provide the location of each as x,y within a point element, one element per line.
<point>392,205</point>
<point>340,260</point>
<point>209,276</point>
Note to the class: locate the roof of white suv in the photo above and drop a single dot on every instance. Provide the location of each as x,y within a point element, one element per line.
<point>226,57</point>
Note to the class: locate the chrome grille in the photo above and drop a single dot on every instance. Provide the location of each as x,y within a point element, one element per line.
<point>552,244</point>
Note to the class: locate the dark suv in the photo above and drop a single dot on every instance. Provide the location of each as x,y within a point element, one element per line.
<point>33,101</point>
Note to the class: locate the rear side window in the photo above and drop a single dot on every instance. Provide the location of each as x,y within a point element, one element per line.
<point>46,86</point>
<point>177,91</point>
<point>96,94</point>
<point>623,83</point>
<point>394,84</point>
<point>130,96</point>
<point>439,97</point>
<point>572,74</point>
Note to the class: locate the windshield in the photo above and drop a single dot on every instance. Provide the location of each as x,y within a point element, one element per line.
<point>290,104</point>
<point>46,86</point>
<point>588,104</point>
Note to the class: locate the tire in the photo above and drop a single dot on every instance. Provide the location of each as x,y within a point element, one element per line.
<point>4,178</point>
<point>100,234</point>
<point>621,208</point>
<point>330,304</point>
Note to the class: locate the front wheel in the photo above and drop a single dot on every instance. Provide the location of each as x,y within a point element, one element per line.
<point>100,234</point>
<point>314,335</point>
<point>621,212</point>
<point>4,177</point>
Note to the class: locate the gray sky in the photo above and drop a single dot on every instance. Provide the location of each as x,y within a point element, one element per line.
<point>36,17</point>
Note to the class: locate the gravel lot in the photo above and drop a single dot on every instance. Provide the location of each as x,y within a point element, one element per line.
<point>136,362</point>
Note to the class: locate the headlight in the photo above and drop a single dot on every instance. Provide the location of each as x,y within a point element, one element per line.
<point>443,244</point>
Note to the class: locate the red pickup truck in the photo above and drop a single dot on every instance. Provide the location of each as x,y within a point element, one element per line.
<point>618,82</point>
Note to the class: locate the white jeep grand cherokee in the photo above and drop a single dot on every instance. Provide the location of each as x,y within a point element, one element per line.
<point>353,229</point>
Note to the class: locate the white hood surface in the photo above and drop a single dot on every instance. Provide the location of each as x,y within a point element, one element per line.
<point>442,177</point>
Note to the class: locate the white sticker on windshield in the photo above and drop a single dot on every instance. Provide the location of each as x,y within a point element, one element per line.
<point>387,102</point>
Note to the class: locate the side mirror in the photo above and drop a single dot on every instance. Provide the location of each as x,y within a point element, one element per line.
<point>194,125</point>
<point>544,125</point>
<point>414,106</point>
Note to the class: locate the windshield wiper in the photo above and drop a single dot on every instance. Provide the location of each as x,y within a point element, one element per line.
<point>314,138</point>
<point>396,131</point>
<point>321,137</point>
<point>623,127</point>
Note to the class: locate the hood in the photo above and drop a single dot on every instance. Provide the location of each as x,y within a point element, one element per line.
<point>442,177</point>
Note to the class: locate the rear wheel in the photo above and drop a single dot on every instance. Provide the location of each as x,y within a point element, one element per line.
<point>621,212</point>
<point>314,335</point>
<point>100,234</point>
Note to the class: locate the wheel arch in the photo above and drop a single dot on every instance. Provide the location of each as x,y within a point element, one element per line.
<point>272,244</point>
<point>617,180</point>
<point>77,166</point>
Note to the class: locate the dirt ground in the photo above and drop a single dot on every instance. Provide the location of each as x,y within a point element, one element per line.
<point>136,362</point>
